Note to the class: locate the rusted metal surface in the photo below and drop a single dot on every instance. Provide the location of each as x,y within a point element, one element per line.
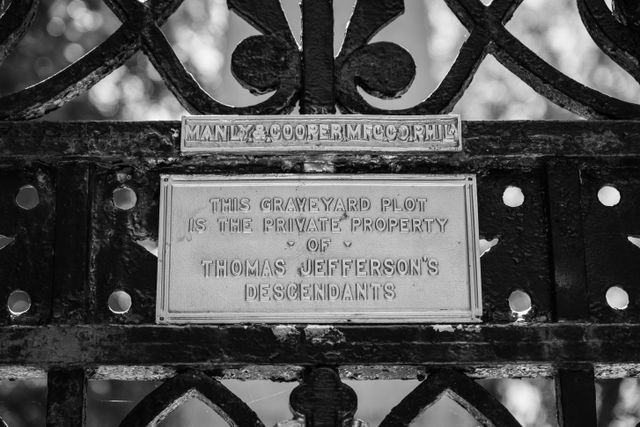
<point>88,248</point>
<point>562,247</point>
<point>272,60</point>
<point>27,263</point>
<point>69,292</point>
<point>66,391</point>
<point>611,259</point>
<point>568,238</point>
<point>465,346</point>
<point>134,155</point>
<point>511,144</point>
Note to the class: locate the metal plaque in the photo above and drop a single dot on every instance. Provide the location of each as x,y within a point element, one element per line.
<point>318,249</point>
<point>214,134</point>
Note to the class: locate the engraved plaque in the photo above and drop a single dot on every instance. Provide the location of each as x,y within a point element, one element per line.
<point>206,134</point>
<point>318,249</point>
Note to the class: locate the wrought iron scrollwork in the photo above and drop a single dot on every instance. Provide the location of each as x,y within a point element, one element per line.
<point>617,34</point>
<point>382,69</point>
<point>486,25</point>
<point>192,384</point>
<point>475,399</point>
<point>261,63</point>
<point>530,68</point>
<point>273,62</point>
<point>81,75</point>
<point>322,399</point>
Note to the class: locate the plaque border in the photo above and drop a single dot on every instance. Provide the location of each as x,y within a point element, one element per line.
<point>317,146</point>
<point>473,315</point>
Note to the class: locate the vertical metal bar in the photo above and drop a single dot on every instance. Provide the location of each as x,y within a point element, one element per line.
<point>317,41</point>
<point>73,210</point>
<point>66,390</point>
<point>565,217</point>
<point>576,397</point>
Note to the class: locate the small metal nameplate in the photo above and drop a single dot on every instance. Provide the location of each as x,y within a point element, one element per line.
<point>214,134</point>
<point>318,249</point>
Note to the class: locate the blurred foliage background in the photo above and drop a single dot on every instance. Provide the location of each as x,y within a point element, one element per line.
<point>204,33</point>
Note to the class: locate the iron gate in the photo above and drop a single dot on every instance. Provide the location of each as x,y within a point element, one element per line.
<point>562,247</point>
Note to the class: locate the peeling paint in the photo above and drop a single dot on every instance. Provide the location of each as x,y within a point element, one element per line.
<point>277,373</point>
<point>285,333</point>
<point>512,370</point>
<point>13,372</point>
<point>616,370</point>
<point>381,372</point>
<point>319,166</point>
<point>468,328</point>
<point>322,334</point>
<point>443,328</point>
<point>133,373</point>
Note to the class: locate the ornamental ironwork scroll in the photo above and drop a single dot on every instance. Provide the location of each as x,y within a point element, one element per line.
<point>272,62</point>
<point>322,399</point>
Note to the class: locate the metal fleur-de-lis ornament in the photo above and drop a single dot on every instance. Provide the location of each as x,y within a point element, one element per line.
<point>382,69</point>
<point>310,75</point>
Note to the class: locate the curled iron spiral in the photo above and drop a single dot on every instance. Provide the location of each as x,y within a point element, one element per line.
<point>272,61</point>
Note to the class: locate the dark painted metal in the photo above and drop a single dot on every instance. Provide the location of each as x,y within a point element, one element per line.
<point>261,63</point>
<point>317,41</point>
<point>382,69</point>
<point>521,259</point>
<point>561,246</point>
<point>323,399</point>
<point>576,396</point>
<point>117,261</point>
<point>471,396</point>
<point>66,391</point>
<point>27,263</point>
<point>565,218</point>
<point>627,12</point>
<point>73,208</point>
<point>530,68</point>
<point>272,61</point>
<point>206,346</point>
<point>215,395</point>
<point>616,34</point>
<point>506,144</point>
<point>611,259</point>
<point>559,166</point>
<point>14,23</point>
